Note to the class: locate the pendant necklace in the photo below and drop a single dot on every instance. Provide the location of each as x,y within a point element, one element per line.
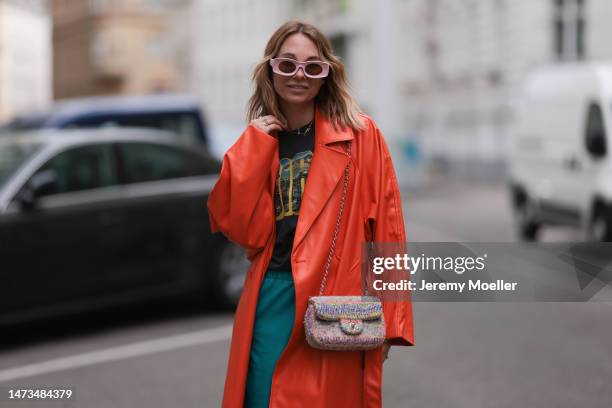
<point>299,133</point>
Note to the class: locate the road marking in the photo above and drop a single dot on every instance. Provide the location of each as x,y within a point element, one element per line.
<point>118,353</point>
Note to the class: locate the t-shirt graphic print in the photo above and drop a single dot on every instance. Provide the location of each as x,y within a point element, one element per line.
<point>295,153</point>
<point>290,184</point>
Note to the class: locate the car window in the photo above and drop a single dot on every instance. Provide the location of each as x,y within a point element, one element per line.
<point>185,124</point>
<point>82,168</point>
<point>149,162</point>
<point>595,123</point>
<point>595,131</point>
<point>14,153</point>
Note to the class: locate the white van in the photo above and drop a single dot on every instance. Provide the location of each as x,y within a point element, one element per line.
<point>560,163</point>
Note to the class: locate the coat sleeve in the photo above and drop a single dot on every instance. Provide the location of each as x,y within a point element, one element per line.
<point>386,218</point>
<point>241,204</point>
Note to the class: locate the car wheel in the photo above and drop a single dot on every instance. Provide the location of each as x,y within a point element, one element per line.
<point>527,229</point>
<point>600,229</point>
<point>231,266</point>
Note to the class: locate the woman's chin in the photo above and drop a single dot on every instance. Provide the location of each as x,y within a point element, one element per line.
<point>296,99</point>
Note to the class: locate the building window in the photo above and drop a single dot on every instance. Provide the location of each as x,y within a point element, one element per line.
<point>102,49</point>
<point>569,29</point>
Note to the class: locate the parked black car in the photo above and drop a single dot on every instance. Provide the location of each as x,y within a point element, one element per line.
<point>96,217</point>
<point>178,113</point>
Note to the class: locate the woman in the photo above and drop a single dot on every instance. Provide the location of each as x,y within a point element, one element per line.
<point>278,195</point>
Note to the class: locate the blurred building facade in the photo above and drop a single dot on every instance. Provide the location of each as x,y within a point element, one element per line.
<point>104,47</point>
<point>465,61</point>
<point>25,56</point>
<point>229,37</point>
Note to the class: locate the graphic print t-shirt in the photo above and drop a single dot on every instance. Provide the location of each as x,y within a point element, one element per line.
<point>295,154</point>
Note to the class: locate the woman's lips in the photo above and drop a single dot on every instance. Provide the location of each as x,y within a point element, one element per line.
<point>298,87</point>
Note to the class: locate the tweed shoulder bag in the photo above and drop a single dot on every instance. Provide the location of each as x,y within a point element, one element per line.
<point>343,322</point>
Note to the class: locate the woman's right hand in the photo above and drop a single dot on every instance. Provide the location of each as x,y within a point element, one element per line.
<point>267,124</point>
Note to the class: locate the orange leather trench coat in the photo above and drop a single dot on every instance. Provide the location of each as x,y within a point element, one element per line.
<point>241,206</point>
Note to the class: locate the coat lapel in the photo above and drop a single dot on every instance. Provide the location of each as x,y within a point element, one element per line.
<point>326,171</point>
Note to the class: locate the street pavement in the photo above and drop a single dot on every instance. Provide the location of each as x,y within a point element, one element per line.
<point>466,354</point>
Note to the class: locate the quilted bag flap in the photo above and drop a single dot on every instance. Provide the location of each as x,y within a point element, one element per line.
<point>334,308</point>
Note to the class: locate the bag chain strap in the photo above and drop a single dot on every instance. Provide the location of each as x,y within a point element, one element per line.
<point>333,244</point>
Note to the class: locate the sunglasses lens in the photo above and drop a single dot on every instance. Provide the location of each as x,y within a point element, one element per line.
<point>286,66</point>
<point>314,69</point>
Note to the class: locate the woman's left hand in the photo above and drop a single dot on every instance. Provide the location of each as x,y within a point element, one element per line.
<point>386,347</point>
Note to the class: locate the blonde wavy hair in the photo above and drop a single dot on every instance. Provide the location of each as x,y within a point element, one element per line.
<point>333,100</point>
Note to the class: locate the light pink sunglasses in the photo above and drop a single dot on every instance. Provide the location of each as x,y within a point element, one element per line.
<point>289,67</point>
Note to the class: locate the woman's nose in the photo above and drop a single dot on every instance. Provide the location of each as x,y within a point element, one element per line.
<point>300,73</point>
